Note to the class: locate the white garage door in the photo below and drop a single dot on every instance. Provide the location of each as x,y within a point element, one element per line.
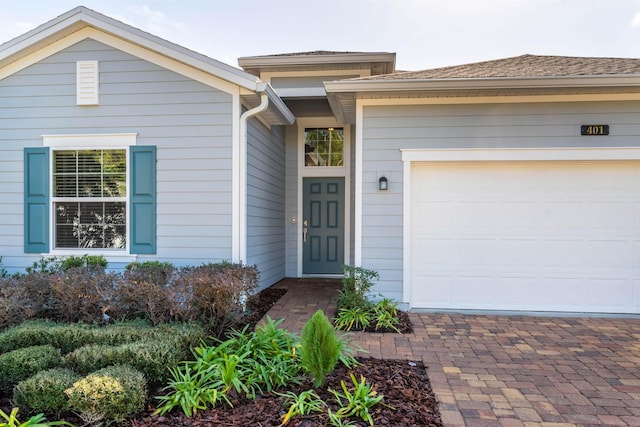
<point>542,236</point>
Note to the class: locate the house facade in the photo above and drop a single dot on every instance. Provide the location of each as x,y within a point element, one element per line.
<point>504,185</point>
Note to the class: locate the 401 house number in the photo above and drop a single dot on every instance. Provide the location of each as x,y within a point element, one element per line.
<point>594,130</point>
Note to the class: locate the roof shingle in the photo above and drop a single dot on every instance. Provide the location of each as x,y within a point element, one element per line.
<point>524,66</point>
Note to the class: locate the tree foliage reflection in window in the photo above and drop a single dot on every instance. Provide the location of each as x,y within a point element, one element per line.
<point>324,147</point>
<point>89,195</point>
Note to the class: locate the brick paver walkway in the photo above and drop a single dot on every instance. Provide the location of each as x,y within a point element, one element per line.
<point>490,370</point>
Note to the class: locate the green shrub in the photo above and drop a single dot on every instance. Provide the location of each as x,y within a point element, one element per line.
<point>356,286</point>
<point>109,395</point>
<point>66,337</point>
<point>46,265</point>
<point>44,391</point>
<point>320,347</point>
<point>92,357</point>
<point>18,365</point>
<point>90,261</point>
<point>152,354</point>
<point>356,310</point>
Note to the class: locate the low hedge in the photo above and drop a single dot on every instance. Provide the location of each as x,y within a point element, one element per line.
<point>21,364</point>
<point>44,391</point>
<point>112,394</point>
<point>65,337</point>
<point>212,294</point>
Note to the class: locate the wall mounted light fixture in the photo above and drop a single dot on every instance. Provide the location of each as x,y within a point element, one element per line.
<point>383,183</point>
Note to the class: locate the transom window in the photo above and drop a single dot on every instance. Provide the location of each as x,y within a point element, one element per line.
<point>90,198</point>
<point>324,147</point>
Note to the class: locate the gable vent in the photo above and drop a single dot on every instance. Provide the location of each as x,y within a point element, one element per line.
<point>87,82</point>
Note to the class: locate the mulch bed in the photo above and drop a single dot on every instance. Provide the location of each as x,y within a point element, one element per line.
<point>404,384</point>
<point>409,400</point>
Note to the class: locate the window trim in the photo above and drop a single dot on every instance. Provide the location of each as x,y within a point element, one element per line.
<point>89,142</point>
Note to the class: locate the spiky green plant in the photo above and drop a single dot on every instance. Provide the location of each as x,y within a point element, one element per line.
<point>321,347</point>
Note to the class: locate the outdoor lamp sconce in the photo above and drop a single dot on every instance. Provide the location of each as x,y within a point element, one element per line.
<point>383,183</point>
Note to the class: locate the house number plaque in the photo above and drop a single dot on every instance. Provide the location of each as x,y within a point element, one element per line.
<point>594,130</point>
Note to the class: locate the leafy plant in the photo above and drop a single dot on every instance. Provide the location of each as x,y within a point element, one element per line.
<point>89,261</point>
<point>11,420</point>
<point>356,286</point>
<point>337,420</point>
<point>245,363</point>
<point>320,348</point>
<point>304,403</point>
<point>385,313</point>
<point>354,317</point>
<point>47,265</point>
<point>356,402</point>
<point>190,389</point>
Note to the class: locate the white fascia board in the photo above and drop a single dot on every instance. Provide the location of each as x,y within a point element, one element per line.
<point>383,85</point>
<point>298,60</point>
<point>82,15</point>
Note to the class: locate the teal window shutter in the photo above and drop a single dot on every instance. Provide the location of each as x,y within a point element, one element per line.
<point>143,199</point>
<point>36,200</point>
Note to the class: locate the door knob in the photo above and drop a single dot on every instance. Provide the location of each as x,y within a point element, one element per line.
<point>304,231</point>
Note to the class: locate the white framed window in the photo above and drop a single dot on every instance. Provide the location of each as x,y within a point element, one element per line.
<point>89,198</point>
<point>324,147</point>
<point>89,187</point>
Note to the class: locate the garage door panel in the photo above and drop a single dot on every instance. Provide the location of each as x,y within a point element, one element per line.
<point>620,216</point>
<point>608,292</point>
<point>611,254</point>
<point>560,236</point>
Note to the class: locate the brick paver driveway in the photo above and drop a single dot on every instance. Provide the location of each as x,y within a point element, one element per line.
<point>519,370</point>
<point>489,370</point>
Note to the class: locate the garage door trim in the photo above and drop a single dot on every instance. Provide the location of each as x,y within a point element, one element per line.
<point>478,155</point>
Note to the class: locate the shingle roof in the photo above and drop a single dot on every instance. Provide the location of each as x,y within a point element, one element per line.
<point>524,66</point>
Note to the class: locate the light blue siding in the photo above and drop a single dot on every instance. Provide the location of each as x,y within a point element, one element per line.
<point>189,123</point>
<point>291,172</point>
<point>265,201</point>
<point>387,129</point>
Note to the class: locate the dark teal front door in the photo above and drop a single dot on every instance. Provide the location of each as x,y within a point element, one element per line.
<point>323,226</point>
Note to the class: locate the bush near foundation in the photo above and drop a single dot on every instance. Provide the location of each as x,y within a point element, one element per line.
<point>109,395</point>
<point>20,364</point>
<point>65,337</point>
<point>44,391</point>
<point>214,294</point>
<point>78,289</point>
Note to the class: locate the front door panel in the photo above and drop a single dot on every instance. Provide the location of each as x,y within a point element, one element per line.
<point>323,225</point>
